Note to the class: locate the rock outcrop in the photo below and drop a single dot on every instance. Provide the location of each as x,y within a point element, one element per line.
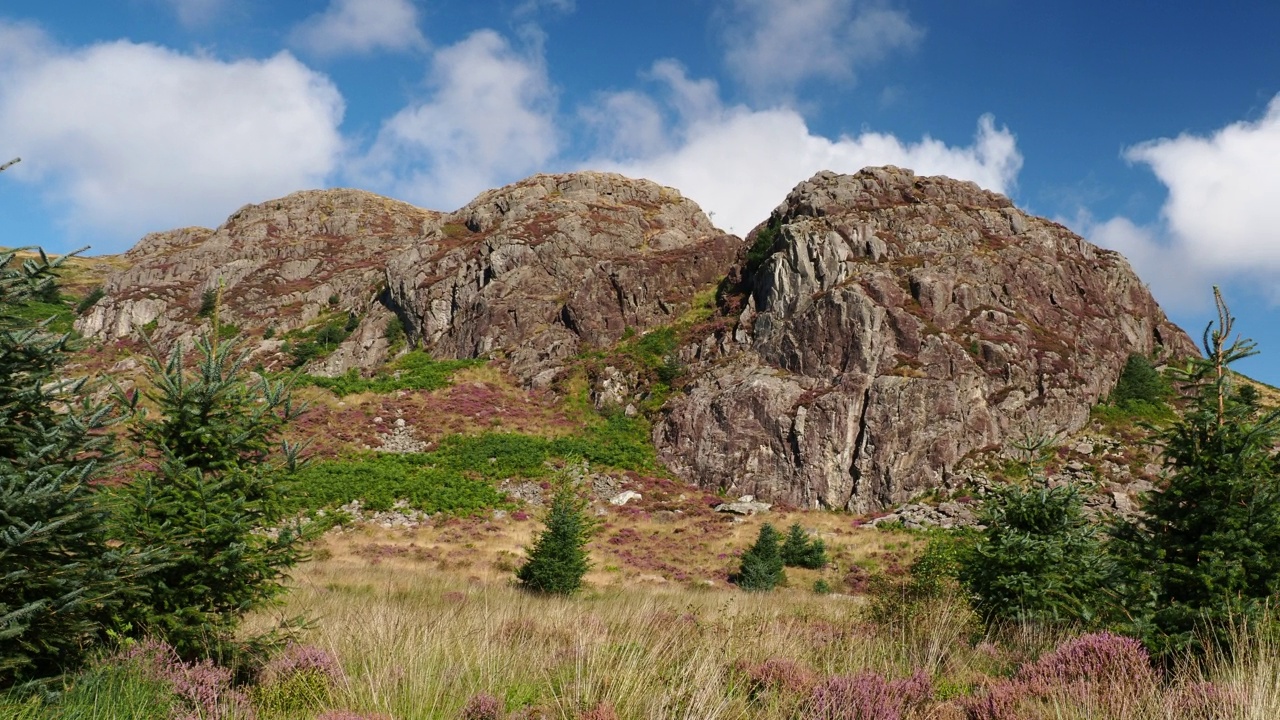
<point>891,324</point>
<point>532,272</point>
<point>538,270</point>
<point>280,265</point>
<point>883,325</point>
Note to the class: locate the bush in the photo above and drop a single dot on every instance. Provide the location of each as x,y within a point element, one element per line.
<point>208,303</point>
<point>799,550</point>
<point>1038,559</point>
<point>414,371</point>
<point>90,299</point>
<point>762,566</point>
<point>868,697</point>
<point>558,560</point>
<point>207,506</point>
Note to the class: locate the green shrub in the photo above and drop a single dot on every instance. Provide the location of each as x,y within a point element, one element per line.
<point>320,340</point>
<point>764,245</point>
<point>378,480</point>
<point>414,371</point>
<point>558,559</point>
<point>208,303</point>
<point>799,550</point>
<point>89,300</point>
<point>762,566</point>
<point>1139,383</point>
<point>935,572</point>
<point>1038,559</point>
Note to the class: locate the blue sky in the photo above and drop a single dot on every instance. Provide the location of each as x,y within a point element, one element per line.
<point>1148,127</point>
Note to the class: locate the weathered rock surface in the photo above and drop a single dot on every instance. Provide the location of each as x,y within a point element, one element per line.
<point>539,269</point>
<point>897,324</point>
<point>281,265</point>
<point>533,271</point>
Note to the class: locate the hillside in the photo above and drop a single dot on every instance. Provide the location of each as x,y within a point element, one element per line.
<point>875,331</point>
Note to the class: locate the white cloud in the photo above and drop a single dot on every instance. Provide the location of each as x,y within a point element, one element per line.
<point>1223,207</point>
<point>739,163</point>
<point>489,120</point>
<point>774,45</point>
<point>360,26</point>
<point>1220,218</point>
<point>133,138</point>
<point>531,7</point>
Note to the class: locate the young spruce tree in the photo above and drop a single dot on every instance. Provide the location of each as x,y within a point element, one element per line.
<point>58,576</point>
<point>762,566</point>
<point>1205,553</point>
<point>212,500</point>
<point>558,560</point>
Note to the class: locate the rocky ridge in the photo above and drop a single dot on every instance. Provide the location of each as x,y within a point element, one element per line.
<point>877,330</point>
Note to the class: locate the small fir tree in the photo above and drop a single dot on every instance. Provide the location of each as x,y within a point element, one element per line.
<point>558,560</point>
<point>1039,558</point>
<point>1205,553</point>
<point>799,550</point>
<point>212,502</point>
<point>762,566</point>
<point>59,578</point>
<point>1138,383</point>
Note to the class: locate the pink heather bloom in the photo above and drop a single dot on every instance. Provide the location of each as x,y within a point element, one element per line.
<point>482,706</point>
<point>868,697</point>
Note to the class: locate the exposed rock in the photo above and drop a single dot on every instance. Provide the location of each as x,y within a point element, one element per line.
<point>533,271</point>
<point>539,269</point>
<point>281,265</point>
<point>624,497</point>
<point>744,507</point>
<point>899,323</point>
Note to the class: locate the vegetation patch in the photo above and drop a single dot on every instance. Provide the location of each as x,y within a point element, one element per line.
<point>321,338</point>
<point>415,371</point>
<point>459,476</point>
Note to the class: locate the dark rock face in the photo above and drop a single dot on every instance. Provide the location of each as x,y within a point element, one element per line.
<point>539,269</point>
<point>899,323</point>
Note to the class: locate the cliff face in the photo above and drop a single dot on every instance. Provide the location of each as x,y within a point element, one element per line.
<point>875,330</point>
<point>896,324</point>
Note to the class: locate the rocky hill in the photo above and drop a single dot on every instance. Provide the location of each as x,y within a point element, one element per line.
<point>877,329</point>
<point>891,324</point>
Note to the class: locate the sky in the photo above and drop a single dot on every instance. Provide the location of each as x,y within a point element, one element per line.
<point>1149,127</point>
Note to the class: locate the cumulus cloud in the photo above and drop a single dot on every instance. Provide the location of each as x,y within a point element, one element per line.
<point>132,138</point>
<point>488,120</point>
<point>738,163</point>
<point>771,46</point>
<point>1222,206</point>
<point>1219,220</point>
<point>360,27</point>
